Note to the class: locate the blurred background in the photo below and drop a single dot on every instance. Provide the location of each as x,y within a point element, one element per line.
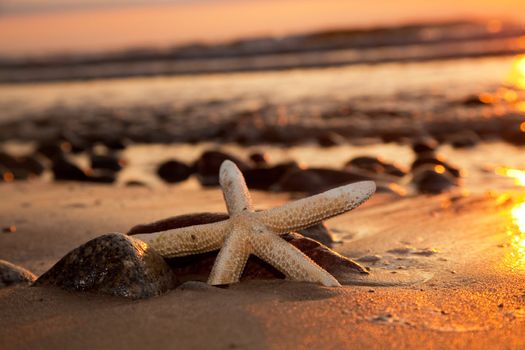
<point>139,83</point>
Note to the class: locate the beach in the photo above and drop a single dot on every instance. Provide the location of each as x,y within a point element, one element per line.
<point>467,292</point>
<point>93,145</point>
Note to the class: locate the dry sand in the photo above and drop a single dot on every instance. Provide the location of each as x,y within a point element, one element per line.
<point>473,299</point>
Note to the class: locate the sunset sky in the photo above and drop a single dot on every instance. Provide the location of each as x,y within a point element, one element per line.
<point>50,26</point>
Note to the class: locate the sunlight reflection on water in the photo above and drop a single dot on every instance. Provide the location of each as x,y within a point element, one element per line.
<point>517,234</point>
<point>517,73</point>
<point>517,174</point>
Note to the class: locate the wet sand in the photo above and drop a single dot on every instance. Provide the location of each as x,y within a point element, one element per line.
<point>470,248</point>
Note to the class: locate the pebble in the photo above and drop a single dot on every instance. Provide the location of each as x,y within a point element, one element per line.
<point>317,180</point>
<point>9,229</point>
<point>464,139</point>
<point>263,178</point>
<point>112,264</point>
<point>372,164</point>
<point>330,139</point>
<point>52,150</point>
<point>208,165</point>
<point>106,161</point>
<point>178,222</point>
<point>65,170</point>
<point>11,274</point>
<point>425,160</point>
<point>375,165</point>
<point>319,233</point>
<point>115,144</point>
<point>472,101</point>
<point>428,180</point>
<point>6,175</point>
<point>513,134</point>
<point>76,143</point>
<point>260,159</point>
<point>425,145</point>
<point>21,167</point>
<point>173,171</point>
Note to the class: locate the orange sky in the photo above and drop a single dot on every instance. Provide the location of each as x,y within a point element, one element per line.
<point>119,27</point>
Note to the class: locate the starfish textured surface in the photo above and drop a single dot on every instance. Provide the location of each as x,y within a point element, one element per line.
<point>247,232</point>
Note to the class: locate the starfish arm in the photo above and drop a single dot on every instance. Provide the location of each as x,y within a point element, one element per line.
<point>234,188</point>
<point>188,240</point>
<point>312,210</point>
<point>230,262</point>
<point>289,260</point>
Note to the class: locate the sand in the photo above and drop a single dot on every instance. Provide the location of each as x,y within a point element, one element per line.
<point>453,270</point>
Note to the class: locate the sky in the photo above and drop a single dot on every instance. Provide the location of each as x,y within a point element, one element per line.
<point>40,27</point>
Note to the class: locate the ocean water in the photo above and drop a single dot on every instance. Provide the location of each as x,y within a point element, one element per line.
<point>360,100</point>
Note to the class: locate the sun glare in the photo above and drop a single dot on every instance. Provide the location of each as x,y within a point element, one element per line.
<point>516,231</point>
<point>517,74</point>
<point>516,174</point>
<point>517,234</point>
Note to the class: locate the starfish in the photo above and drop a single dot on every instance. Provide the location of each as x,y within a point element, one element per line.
<point>248,232</point>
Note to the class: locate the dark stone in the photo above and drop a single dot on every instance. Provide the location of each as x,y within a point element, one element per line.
<point>51,150</point>
<point>265,178</point>
<point>319,233</point>
<point>5,174</point>
<point>115,144</point>
<point>425,144</point>
<point>425,160</point>
<point>173,171</point>
<point>177,222</point>
<point>513,134</point>
<point>374,165</point>
<point>12,274</point>
<point>9,229</point>
<point>102,176</point>
<point>10,164</point>
<point>472,101</point>
<point>76,143</point>
<point>208,165</point>
<point>427,180</point>
<point>64,170</point>
<point>330,139</point>
<point>112,264</point>
<point>465,139</point>
<point>7,160</point>
<point>260,159</point>
<point>394,170</point>
<point>316,180</point>
<point>106,161</point>
<point>21,167</point>
<point>32,164</point>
